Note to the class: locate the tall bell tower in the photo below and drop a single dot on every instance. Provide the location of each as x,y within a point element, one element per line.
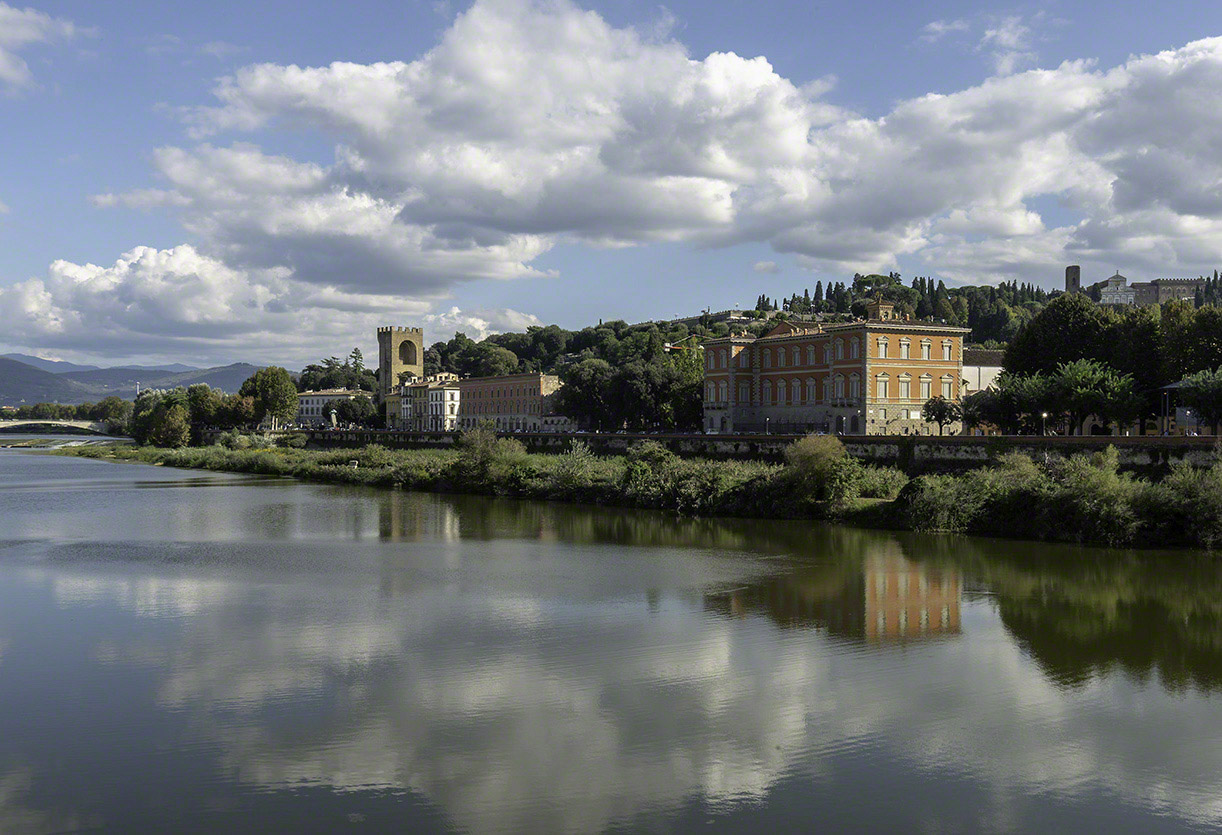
<point>400,352</point>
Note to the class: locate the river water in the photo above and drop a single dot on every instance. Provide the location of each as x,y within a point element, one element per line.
<point>187,651</point>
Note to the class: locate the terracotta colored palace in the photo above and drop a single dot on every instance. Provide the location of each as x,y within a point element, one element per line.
<point>864,377</point>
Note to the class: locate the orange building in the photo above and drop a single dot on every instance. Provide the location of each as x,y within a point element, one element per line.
<point>512,403</point>
<point>864,377</point>
<point>906,601</point>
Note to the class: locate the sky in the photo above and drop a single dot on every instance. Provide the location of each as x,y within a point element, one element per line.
<point>269,182</point>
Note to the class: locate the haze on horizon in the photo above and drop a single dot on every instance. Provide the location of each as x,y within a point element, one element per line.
<point>269,182</point>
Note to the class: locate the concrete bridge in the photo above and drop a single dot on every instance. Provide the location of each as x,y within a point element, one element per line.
<point>94,427</point>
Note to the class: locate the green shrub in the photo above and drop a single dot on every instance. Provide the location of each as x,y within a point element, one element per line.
<point>295,440</point>
<point>881,482</point>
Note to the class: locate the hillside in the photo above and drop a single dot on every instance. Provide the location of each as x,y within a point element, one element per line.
<point>21,383</point>
<point>54,366</point>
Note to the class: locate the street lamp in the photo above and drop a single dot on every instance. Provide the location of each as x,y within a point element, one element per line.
<point>766,419</point>
<point>1043,423</point>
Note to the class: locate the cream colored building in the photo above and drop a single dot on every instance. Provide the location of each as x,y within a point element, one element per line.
<point>314,407</point>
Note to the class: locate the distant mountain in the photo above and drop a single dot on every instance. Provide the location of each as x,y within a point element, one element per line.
<point>22,383</point>
<point>54,366</point>
<point>175,368</point>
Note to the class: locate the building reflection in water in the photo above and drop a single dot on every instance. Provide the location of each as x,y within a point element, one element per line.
<point>885,598</point>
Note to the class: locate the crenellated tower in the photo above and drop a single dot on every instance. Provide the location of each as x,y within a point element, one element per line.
<point>400,353</point>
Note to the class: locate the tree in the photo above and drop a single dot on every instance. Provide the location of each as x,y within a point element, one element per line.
<point>583,397</point>
<point>171,425</point>
<point>1070,328</point>
<point>274,394</point>
<point>941,411</point>
<point>359,410</point>
<point>1203,391</point>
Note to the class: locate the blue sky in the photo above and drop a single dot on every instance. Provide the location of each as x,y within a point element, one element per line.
<point>203,182</point>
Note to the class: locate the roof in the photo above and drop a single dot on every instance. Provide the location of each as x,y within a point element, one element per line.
<point>332,393</point>
<point>983,356</point>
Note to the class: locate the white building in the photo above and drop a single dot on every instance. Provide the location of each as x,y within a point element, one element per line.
<point>443,407</point>
<point>980,369</point>
<point>314,407</point>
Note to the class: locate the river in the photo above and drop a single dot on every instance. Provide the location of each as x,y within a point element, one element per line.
<point>188,651</point>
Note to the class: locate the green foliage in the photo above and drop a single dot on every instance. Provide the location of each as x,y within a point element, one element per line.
<point>359,411</point>
<point>941,411</point>
<point>330,373</point>
<point>1203,391</point>
<point>273,392</point>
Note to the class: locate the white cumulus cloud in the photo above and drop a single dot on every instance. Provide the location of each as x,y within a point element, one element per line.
<point>20,28</point>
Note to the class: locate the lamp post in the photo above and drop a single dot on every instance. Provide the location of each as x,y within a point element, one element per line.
<point>766,419</point>
<point>1043,423</point>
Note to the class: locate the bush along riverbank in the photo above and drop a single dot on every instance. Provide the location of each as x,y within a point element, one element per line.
<point>1082,499</point>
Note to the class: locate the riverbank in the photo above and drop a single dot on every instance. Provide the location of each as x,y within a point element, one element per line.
<point>1084,499</point>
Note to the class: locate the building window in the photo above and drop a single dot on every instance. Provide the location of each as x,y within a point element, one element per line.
<point>810,391</point>
<point>827,354</point>
<point>839,387</point>
<point>744,392</point>
<point>905,388</point>
<point>882,414</point>
<point>854,348</point>
<point>708,392</point>
<point>926,387</point>
<point>780,392</point>
<point>767,358</point>
<point>722,357</point>
<point>882,347</point>
<point>810,354</point>
<point>905,348</point>
<point>883,383</point>
<point>708,363</point>
<point>946,345</point>
<point>925,348</point>
<point>766,391</point>
<point>854,387</point>
<point>724,391</point>
<point>947,388</point>
<point>797,360</point>
<point>839,349</point>
<point>780,357</point>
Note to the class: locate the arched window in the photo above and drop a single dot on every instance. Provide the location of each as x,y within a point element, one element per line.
<point>883,385</point>
<point>810,391</point>
<point>723,391</point>
<point>946,346</point>
<point>827,353</point>
<point>708,392</point>
<point>854,348</point>
<point>797,359</point>
<point>905,348</point>
<point>780,357</point>
<point>925,348</point>
<point>766,393</point>
<point>708,360</point>
<point>854,387</point>
<point>742,358</point>
<point>882,347</point>
<point>781,392</point>
<point>744,392</point>
<point>838,386</point>
<point>810,354</point>
<point>723,357</point>
<point>767,358</point>
<point>839,349</point>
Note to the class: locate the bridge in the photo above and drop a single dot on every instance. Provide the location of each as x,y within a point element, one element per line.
<point>95,427</point>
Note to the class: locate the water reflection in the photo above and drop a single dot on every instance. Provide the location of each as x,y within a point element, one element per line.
<point>426,662</point>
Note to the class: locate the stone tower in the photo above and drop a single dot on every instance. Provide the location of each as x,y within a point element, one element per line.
<point>1073,279</point>
<point>400,352</point>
